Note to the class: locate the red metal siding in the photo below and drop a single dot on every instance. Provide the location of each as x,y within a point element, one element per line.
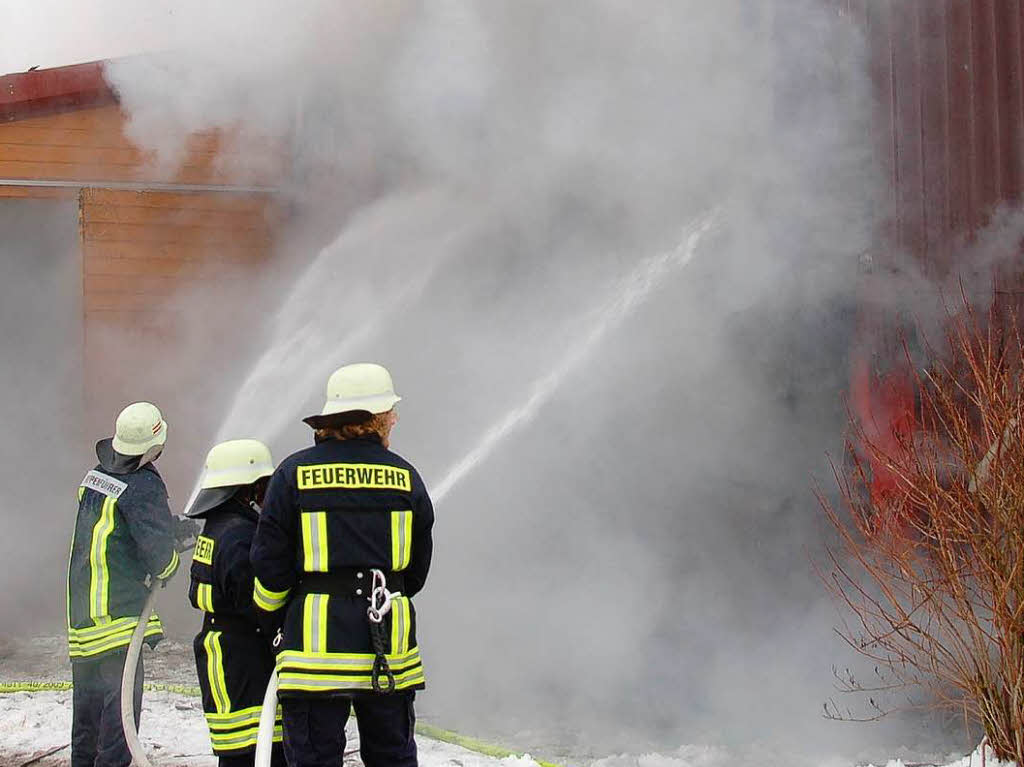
<point>949,117</point>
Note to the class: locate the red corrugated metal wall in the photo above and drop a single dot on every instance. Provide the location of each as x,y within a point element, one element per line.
<point>949,127</point>
<point>949,117</point>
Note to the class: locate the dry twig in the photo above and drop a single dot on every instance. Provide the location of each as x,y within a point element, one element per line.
<point>931,572</point>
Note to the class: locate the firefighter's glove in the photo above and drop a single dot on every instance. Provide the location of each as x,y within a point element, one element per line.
<point>185,533</point>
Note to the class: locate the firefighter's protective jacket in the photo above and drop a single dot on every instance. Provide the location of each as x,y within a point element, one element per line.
<point>123,533</point>
<point>233,658</point>
<point>222,579</point>
<point>335,511</point>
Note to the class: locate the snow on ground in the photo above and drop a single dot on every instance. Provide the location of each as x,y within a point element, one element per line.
<point>173,732</point>
<point>711,756</point>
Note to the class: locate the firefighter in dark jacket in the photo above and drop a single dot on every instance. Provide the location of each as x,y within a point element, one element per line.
<point>124,535</point>
<point>234,658</point>
<point>343,544</point>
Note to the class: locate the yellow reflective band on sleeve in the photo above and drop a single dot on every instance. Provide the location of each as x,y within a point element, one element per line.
<point>314,623</point>
<point>81,492</point>
<point>99,585</point>
<point>268,600</point>
<point>314,541</point>
<point>215,672</point>
<point>204,597</point>
<point>204,550</point>
<point>353,476</point>
<point>171,568</point>
<point>401,624</point>
<point>401,539</point>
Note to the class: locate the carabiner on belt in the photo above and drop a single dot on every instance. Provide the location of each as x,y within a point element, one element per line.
<point>380,604</point>
<point>380,597</point>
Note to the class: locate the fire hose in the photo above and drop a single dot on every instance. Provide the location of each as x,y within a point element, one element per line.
<point>268,715</point>
<point>131,664</point>
<point>185,538</point>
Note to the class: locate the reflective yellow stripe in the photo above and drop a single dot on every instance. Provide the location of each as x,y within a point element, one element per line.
<point>401,539</point>
<point>314,541</point>
<point>172,566</point>
<point>215,672</point>
<point>99,585</point>
<point>291,681</point>
<point>232,719</point>
<point>235,740</point>
<point>79,647</point>
<point>314,623</point>
<point>325,672</point>
<point>111,627</point>
<point>238,729</point>
<point>401,623</point>
<point>91,641</point>
<point>268,600</point>
<point>241,739</point>
<point>98,632</point>
<point>204,596</point>
<point>343,662</point>
<point>308,552</point>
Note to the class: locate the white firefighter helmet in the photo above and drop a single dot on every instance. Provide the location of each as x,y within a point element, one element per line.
<point>140,427</point>
<point>229,466</point>
<point>362,387</point>
<point>237,462</point>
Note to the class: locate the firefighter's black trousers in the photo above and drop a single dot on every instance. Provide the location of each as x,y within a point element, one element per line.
<point>234,667</point>
<point>314,730</point>
<point>97,738</point>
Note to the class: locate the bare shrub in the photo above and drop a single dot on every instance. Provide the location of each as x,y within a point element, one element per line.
<point>932,571</point>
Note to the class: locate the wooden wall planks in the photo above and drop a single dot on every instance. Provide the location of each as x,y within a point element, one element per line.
<point>91,145</point>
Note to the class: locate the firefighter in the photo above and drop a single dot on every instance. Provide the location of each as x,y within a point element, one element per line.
<point>234,658</point>
<point>124,535</point>
<point>343,544</point>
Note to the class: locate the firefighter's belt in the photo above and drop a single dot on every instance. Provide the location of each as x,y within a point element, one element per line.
<point>231,624</point>
<point>348,582</point>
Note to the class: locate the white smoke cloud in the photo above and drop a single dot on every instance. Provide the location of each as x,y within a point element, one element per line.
<point>470,181</point>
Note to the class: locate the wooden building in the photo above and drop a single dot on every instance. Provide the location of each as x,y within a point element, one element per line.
<point>146,231</point>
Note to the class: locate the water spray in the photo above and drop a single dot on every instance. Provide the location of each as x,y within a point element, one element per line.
<point>626,297</point>
<point>285,366</point>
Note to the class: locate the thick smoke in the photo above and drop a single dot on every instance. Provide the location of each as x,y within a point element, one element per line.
<point>40,313</point>
<point>472,182</point>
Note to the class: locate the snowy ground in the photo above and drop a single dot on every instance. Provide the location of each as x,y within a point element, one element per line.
<point>173,730</point>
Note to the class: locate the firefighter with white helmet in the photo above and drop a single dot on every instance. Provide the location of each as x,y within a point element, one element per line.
<point>124,534</point>
<point>234,659</point>
<point>344,542</point>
